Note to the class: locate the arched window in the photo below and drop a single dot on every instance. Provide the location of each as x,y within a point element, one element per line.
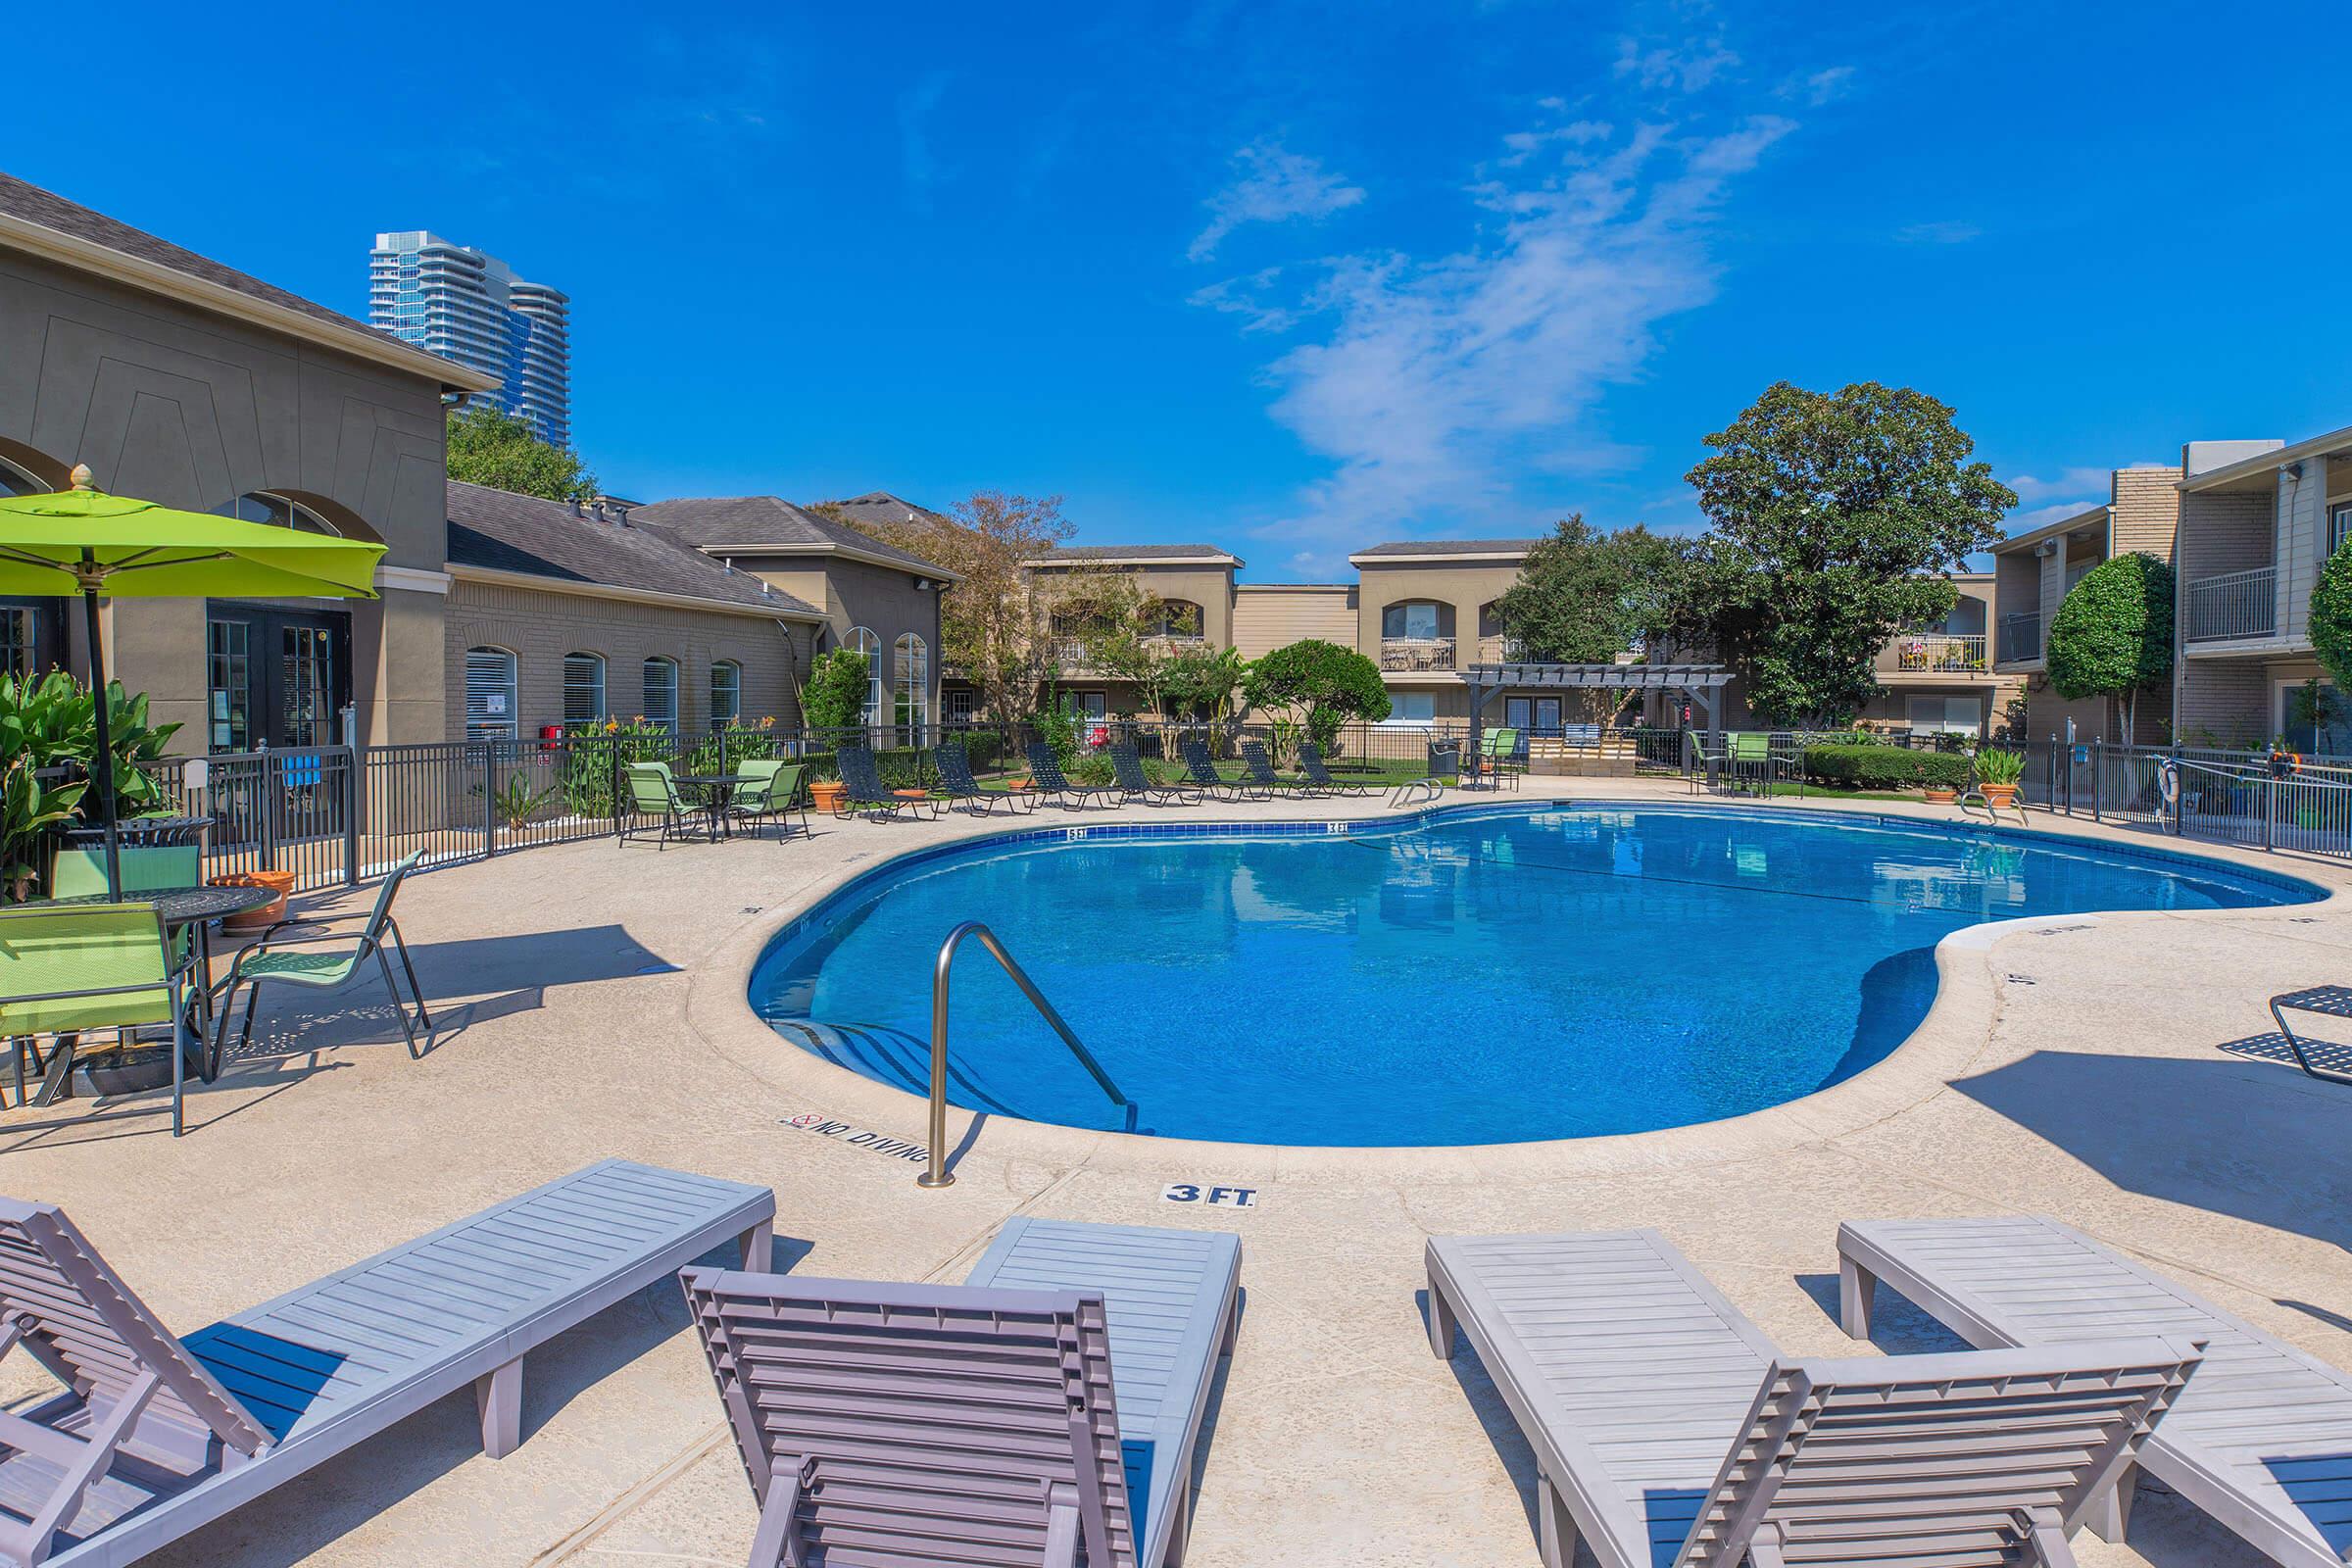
<point>662,692</point>
<point>17,481</point>
<point>489,694</point>
<point>726,693</point>
<point>860,640</point>
<point>260,505</point>
<point>583,688</point>
<point>913,687</point>
<point>1177,619</point>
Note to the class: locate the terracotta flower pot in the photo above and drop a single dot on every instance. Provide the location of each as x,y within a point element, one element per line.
<point>260,918</point>
<point>2002,794</point>
<point>1941,797</point>
<point>828,793</point>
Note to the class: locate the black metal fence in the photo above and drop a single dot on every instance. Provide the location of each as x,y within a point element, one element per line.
<point>2255,798</point>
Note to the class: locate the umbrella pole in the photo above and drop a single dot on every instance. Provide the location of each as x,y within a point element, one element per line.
<point>102,765</point>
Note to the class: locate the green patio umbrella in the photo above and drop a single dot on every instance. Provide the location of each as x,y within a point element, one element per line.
<point>85,540</point>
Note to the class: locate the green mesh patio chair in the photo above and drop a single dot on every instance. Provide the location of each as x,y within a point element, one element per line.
<point>653,792</point>
<point>68,969</point>
<point>765,793</point>
<point>1751,760</point>
<point>311,954</point>
<point>80,873</point>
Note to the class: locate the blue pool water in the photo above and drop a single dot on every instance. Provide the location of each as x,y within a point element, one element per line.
<point>1465,978</point>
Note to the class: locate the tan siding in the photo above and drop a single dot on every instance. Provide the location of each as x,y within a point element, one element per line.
<point>1267,619</point>
<point>540,628</point>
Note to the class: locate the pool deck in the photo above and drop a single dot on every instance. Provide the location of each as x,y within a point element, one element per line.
<point>590,1000</point>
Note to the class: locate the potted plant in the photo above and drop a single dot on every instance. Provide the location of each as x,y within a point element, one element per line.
<point>1998,771</point>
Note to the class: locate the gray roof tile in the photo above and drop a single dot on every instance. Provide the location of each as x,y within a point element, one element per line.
<point>1451,547</point>
<point>500,531</point>
<point>1133,552</point>
<point>745,523</point>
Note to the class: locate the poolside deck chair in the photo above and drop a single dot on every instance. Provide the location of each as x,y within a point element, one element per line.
<point>1668,1430</point>
<point>1318,773</point>
<point>1127,770</point>
<point>1055,789</point>
<point>653,792</point>
<point>1498,757</point>
<point>771,793</point>
<point>2262,1439</point>
<point>328,960</point>
<point>1259,768</point>
<point>2317,1058</point>
<point>964,790</point>
<point>865,795</point>
<point>1202,773</point>
<point>70,970</point>
<point>1043,1413</point>
<point>155,1435</point>
<point>1751,760</point>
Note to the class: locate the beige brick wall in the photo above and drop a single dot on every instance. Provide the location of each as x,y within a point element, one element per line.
<point>540,628</point>
<point>2224,702</point>
<point>2222,533</point>
<point>2146,511</point>
<point>1275,617</point>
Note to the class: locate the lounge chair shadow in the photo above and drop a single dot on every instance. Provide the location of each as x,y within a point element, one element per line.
<point>1495,1416</point>
<point>138,1115</point>
<point>293,1024</point>
<point>2219,1135</point>
<point>2314,1484</point>
<point>308,1514</point>
<point>2272,1046</point>
<point>1897,1327</point>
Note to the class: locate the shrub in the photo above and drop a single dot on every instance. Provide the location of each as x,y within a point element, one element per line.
<point>2332,616</point>
<point>1885,767</point>
<point>2113,633</point>
<point>835,696</point>
<point>1330,683</point>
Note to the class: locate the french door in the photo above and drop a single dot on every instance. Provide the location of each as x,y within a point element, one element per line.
<point>274,677</point>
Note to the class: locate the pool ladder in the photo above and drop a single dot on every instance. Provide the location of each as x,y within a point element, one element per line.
<point>937,1174</point>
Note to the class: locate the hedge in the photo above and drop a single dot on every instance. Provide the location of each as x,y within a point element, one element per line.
<point>1885,767</point>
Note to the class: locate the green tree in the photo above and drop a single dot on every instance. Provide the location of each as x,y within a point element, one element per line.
<point>489,446</point>
<point>1831,514</point>
<point>2113,633</point>
<point>1583,597</point>
<point>1329,683</point>
<point>2331,618</point>
<point>1205,681</point>
<point>834,697</point>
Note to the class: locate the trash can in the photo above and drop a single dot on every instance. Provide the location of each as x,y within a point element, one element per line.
<point>1444,759</point>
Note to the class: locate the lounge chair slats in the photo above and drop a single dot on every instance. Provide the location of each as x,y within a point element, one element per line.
<point>2262,1439</point>
<point>1171,1295</point>
<point>303,1377</point>
<point>1666,1431</point>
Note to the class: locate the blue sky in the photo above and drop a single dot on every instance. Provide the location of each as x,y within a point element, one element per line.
<point>1290,278</point>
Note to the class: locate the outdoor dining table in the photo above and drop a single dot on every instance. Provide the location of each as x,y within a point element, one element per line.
<point>716,790</point>
<point>197,908</point>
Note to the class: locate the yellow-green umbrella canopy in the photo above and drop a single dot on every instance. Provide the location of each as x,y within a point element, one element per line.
<point>85,540</point>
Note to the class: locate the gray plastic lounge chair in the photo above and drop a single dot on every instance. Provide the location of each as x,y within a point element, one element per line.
<point>1043,1413</point>
<point>1127,768</point>
<point>1260,771</point>
<point>2262,1440</point>
<point>964,790</point>
<point>1055,789</point>
<point>1318,773</point>
<point>1668,1430</point>
<point>1202,774</point>
<point>866,795</point>
<point>203,1424</point>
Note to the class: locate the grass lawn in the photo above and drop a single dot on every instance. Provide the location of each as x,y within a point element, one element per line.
<point>1811,790</point>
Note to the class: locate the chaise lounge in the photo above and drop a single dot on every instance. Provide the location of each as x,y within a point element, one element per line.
<point>155,1435</point>
<point>1667,1428</point>
<point>1045,1412</point>
<point>2262,1440</point>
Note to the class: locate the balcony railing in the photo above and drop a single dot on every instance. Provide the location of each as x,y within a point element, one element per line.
<point>1499,651</point>
<point>1935,652</point>
<point>1415,654</point>
<point>2021,637</point>
<point>2235,603</point>
<point>1071,656</point>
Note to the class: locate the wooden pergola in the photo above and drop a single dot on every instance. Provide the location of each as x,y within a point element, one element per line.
<point>1701,683</point>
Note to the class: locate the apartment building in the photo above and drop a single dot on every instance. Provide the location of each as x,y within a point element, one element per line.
<point>2257,521</point>
<point>1192,585</point>
<point>1941,679</point>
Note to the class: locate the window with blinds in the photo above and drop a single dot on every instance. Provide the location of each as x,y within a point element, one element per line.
<point>662,692</point>
<point>726,693</point>
<point>489,694</point>
<point>583,688</point>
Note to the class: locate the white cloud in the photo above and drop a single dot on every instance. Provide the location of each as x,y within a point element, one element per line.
<point>1942,231</point>
<point>1525,144</point>
<point>1821,86</point>
<point>1245,297</point>
<point>1690,65</point>
<point>1441,375</point>
<point>1275,186</point>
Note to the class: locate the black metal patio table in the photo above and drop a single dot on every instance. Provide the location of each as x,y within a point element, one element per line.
<point>716,790</point>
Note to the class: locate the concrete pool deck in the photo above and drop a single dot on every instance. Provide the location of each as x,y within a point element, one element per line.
<point>591,1005</point>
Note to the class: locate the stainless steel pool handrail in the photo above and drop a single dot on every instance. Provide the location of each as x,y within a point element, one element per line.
<point>937,1174</point>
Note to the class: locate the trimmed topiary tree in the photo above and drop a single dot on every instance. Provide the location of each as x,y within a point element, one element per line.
<point>1329,684</point>
<point>2113,634</point>
<point>2331,618</point>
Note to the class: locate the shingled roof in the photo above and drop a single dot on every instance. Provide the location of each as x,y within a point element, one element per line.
<point>500,531</point>
<point>1449,547</point>
<point>29,203</point>
<point>1128,553</point>
<point>754,525</point>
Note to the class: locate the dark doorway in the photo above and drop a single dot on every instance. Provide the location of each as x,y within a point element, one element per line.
<point>274,677</point>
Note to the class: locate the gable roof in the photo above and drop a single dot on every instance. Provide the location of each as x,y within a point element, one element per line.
<point>769,526</point>
<point>1135,556</point>
<point>1448,549</point>
<point>497,531</point>
<point>880,506</point>
<point>45,224</point>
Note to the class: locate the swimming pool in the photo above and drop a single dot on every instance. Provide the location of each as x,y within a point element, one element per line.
<point>1463,977</point>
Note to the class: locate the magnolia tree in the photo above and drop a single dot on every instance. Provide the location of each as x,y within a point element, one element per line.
<point>2113,634</point>
<point>1583,597</point>
<point>1325,684</point>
